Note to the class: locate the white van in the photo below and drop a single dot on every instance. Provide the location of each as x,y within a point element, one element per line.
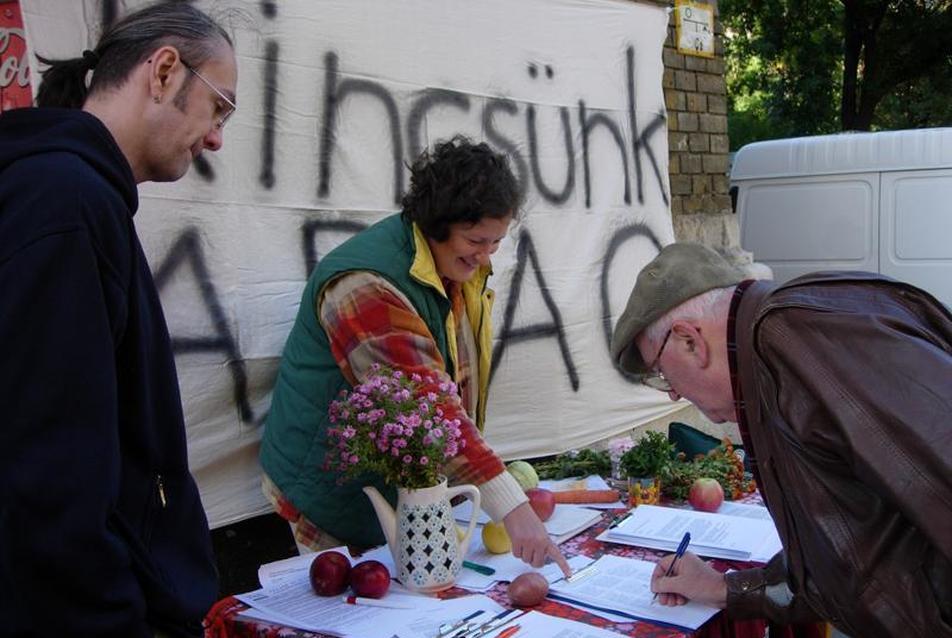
<point>880,202</point>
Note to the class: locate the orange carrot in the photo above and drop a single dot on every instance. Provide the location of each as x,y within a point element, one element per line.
<point>586,496</point>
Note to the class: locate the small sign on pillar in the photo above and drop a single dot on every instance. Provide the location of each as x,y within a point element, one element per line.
<point>694,23</point>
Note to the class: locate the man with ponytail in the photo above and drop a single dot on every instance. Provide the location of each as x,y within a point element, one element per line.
<point>102,532</point>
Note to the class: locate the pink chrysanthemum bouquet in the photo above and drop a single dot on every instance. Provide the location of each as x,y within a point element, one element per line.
<point>394,425</point>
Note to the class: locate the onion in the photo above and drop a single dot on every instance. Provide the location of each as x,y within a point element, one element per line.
<point>528,590</point>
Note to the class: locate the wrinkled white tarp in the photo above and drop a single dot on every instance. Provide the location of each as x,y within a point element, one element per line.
<point>571,87</point>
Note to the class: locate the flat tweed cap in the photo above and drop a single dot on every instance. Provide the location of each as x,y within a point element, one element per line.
<point>679,272</point>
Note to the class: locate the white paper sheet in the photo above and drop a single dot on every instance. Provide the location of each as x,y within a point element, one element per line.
<point>450,611</point>
<point>538,624</point>
<point>713,535</point>
<point>566,520</point>
<point>271,574</point>
<point>623,585</point>
<point>286,598</point>
<point>292,602</point>
<point>744,510</point>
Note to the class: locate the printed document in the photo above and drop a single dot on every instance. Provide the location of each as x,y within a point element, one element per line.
<point>623,586</point>
<point>715,535</point>
<point>286,598</point>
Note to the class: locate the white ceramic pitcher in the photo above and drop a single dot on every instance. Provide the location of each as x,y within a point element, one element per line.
<point>422,536</point>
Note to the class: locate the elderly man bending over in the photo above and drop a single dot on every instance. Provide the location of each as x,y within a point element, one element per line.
<point>841,383</point>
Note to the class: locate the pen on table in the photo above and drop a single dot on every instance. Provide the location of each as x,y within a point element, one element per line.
<point>508,632</point>
<point>501,619</point>
<point>476,567</point>
<point>373,602</point>
<point>618,520</point>
<point>682,547</point>
<point>449,628</point>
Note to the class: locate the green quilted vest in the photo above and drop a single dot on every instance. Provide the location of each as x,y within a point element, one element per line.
<point>294,443</point>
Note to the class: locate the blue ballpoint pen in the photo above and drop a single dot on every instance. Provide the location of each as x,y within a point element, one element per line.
<point>682,547</point>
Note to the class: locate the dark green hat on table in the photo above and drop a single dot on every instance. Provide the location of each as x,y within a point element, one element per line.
<point>679,272</point>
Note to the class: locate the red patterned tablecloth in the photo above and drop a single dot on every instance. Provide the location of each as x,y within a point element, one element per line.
<point>222,622</point>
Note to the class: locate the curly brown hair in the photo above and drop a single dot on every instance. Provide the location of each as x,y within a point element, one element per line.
<point>459,181</point>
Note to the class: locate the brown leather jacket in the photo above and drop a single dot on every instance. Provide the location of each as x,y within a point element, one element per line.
<point>847,379</point>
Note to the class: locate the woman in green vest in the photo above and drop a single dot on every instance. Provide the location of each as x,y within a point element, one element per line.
<point>408,293</point>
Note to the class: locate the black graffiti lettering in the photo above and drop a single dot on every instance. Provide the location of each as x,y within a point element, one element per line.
<point>203,168</point>
<point>618,238</point>
<point>526,252</point>
<point>270,86</point>
<point>309,232</point>
<point>544,190</point>
<point>335,91</point>
<point>269,8</point>
<point>503,143</point>
<point>587,124</point>
<point>429,99</point>
<point>640,142</point>
<point>109,12</point>
<point>187,251</point>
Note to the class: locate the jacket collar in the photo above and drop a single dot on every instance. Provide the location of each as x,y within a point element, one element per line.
<point>423,268</point>
<point>747,315</point>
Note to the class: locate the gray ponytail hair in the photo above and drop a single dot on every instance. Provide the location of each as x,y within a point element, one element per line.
<point>124,45</point>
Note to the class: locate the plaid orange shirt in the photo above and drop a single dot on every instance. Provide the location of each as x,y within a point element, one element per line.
<point>368,320</point>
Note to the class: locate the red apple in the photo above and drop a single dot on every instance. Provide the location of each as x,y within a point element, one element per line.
<point>329,572</point>
<point>542,502</point>
<point>706,495</point>
<point>370,579</point>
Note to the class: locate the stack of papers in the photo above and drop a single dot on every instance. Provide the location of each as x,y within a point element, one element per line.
<point>286,598</point>
<point>622,587</point>
<point>566,521</point>
<point>742,535</point>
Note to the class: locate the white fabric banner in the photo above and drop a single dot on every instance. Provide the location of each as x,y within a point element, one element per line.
<point>335,97</point>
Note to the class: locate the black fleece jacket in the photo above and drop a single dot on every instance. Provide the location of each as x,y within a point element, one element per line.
<point>101,529</point>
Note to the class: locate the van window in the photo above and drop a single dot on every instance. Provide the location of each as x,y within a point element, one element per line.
<point>812,223</point>
<point>916,229</point>
<point>923,222</point>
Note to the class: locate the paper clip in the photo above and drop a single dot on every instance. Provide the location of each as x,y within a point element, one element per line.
<point>449,628</point>
<point>583,573</point>
<point>501,619</point>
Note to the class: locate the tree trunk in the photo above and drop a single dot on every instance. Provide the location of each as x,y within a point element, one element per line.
<point>862,21</point>
<point>852,44</point>
<point>873,89</point>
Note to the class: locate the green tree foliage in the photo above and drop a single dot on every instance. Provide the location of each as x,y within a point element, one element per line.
<point>806,68</point>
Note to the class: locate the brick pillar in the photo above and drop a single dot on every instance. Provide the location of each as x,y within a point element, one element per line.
<point>695,97</point>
